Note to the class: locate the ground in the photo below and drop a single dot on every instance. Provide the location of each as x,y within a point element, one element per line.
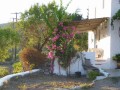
<point>40,81</point>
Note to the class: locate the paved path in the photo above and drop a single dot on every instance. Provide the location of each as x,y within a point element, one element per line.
<point>113,72</point>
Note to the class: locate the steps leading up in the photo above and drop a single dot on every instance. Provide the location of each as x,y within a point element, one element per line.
<point>101,64</point>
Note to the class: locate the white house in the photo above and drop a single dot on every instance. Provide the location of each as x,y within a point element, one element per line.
<point>105,37</point>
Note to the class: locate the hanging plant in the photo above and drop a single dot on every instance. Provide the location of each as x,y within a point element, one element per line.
<point>116,17</point>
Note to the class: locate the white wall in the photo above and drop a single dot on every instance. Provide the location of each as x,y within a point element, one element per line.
<point>91,39</point>
<point>76,65</point>
<point>115,6</point>
<point>98,10</point>
<point>115,41</point>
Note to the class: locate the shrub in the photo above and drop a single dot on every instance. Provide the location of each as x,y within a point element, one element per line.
<point>17,67</point>
<point>93,74</point>
<point>32,58</point>
<point>3,71</point>
<point>116,57</point>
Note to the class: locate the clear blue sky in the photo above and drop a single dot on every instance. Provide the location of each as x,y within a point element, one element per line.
<point>11,6</point>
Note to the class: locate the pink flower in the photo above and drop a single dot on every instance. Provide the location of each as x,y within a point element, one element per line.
<point>54,46</point>
<point>64,35</point>
<point>50,55</point>
<point>62,51</point>
<point>55,29</point>
<point>65,28</point>
<point>71,35</point>
<point>61,24</point>
<point>73,28</point>
<point>55,38</point>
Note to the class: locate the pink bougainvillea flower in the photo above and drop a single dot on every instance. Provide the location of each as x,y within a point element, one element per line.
<point>56,29</point>
<point>55,38</point>
<point>62,51</point>
<point>61,24</point>
<point>63,35</point>
<point>73,28</point>
<point>64,28</point>
<point>71,35</point>
<point>54,46</point>
<point>50,55</point>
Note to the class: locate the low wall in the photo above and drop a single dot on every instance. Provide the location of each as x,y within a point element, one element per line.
<point>76,64</point>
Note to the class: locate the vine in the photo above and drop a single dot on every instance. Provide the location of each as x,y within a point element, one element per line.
<point>116,17</point>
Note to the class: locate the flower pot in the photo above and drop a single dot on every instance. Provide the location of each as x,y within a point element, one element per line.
<point>78,74</point>
<point>118,64</point>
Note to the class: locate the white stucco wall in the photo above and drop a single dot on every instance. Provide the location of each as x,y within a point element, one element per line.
<point>91,39</point>
<point>115,41</point>
<point>99,8</point>
<point>75,66</point>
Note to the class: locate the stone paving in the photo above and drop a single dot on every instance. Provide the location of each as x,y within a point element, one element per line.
<point>113,72</point>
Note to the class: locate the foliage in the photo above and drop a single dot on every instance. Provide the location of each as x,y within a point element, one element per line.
<point>38,22</point>
<point>32,28</point>
<point>3,71</point>
<point>8,38</point>
<point>116,17</point>
<point>17,67</point>
<point>61,45</point>
<point>116,57</point>
<point>81,42</point>
<point>32,58</point>
<point>53,12</point>
<point>93,74</point>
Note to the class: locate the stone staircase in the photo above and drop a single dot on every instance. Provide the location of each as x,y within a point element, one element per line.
<point>101,64</point>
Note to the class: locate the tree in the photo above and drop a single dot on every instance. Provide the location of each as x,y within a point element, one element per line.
<point>37,23</point>
<point>8,38</point>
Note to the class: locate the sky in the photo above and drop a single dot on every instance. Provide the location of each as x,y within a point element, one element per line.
<point>7,7</point>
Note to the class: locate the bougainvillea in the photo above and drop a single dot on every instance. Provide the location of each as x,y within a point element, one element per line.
<point>61,44</point>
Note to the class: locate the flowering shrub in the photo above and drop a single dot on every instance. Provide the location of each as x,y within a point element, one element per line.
<point>61,44</point>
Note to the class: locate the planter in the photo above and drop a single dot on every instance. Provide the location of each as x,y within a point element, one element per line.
<point>118,64</point>
<point>78,74</point>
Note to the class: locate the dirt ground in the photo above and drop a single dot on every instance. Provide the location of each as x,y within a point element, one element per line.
<point>40,81</point>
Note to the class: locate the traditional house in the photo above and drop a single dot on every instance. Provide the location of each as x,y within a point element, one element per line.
<point>103,38</point>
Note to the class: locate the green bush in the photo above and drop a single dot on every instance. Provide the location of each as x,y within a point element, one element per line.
<point>116,57</point>
<point>3,71</point>
<point>17,67</point>
<point>93,74</point>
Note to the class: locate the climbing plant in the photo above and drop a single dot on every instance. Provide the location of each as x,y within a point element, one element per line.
<point>116,17</point>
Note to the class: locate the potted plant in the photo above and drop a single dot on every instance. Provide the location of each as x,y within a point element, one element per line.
<point>117,59</point>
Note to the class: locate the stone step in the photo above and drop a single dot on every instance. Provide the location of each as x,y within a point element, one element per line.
<point>99,62</point>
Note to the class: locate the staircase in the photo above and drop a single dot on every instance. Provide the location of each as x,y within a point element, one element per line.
<point>101,64</point>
